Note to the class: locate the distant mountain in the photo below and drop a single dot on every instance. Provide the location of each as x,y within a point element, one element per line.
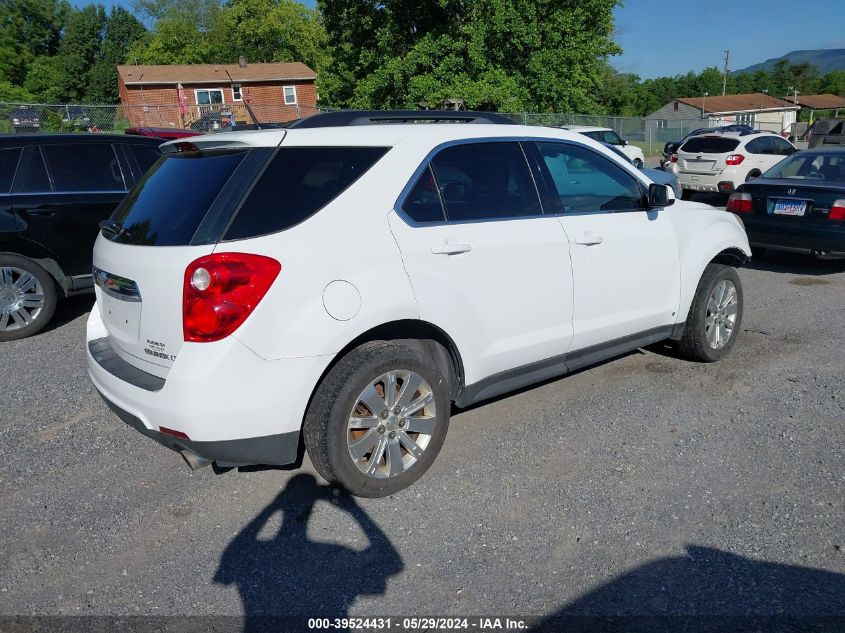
<point>826,60</point>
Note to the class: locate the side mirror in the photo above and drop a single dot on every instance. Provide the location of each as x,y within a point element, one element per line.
<point>624,142</point>
<point>660,196</point>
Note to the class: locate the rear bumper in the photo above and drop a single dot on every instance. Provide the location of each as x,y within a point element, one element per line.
<point>801,237</point>
<point>276,450</point>
<point>233,406</point>
<point>713,183</point>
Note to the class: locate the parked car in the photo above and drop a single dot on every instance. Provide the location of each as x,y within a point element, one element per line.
<point>797,205</point>
<point>655,175</point>
<point>672,146</point>
<point>25,119</point>
<point>826,132</point>
<point>75,118</point>
<point>606,135</point>
<point>346,285</point>
<point>721,162</point>
<point>54,190</point>
<point>167,133</point>
<point>213,121</point>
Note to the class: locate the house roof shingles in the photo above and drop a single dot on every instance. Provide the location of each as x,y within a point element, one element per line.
<point>214,73</point>
<point>737,103</point>
<point>821,102</point>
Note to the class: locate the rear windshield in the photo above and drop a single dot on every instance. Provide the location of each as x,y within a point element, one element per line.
<point>709,145</point>
<point>298,182</point>
<point>167,206</point>
<point>819,167</point>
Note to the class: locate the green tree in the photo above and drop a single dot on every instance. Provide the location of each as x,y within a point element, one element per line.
<point>80,49</point>
<point>44,79</point>
<point>122,30</point>
<point>28,29</point>
<point>541,55</point>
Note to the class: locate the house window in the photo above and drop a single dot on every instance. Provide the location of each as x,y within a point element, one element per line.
<point>209,97</point>
<point>236,92</point>
<point>747,119</point>
<point>290,95</point>
<point>676,106</point>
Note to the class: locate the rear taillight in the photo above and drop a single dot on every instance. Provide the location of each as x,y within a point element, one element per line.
<point>220,292</point>
<point>673,158</point>
<point>734,159</point>
<point>837,210</point>
<point>739,203</point>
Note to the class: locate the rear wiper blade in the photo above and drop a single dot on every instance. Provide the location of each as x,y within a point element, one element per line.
<point>114,227</point>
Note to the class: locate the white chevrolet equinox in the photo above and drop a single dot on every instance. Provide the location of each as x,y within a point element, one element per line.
<point>336,286</point>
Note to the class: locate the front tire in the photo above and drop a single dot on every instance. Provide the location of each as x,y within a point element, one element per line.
<point>378,419</point>
<point>28,297</point>
<point>715,315</point>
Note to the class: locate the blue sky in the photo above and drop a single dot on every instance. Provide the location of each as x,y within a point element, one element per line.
<point>670,37</point>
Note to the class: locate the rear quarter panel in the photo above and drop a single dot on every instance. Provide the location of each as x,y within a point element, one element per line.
<point>703,232</point>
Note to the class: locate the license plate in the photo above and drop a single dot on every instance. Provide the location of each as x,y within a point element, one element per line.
<point>790,207</point>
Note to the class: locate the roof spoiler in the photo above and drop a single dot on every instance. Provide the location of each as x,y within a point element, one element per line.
<point>347,118</point>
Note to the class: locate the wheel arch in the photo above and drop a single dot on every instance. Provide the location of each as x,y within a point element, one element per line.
<point>40,255</point>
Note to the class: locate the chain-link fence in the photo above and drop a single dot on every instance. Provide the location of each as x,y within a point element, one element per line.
<point>29,118</point>
<point>648,134</point>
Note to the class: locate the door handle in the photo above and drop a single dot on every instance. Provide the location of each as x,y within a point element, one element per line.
<point>40,211</point>
<point>588,239</point>
<point>451,248</point>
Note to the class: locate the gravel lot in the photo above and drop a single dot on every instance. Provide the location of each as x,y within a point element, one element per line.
<point>644,485</point>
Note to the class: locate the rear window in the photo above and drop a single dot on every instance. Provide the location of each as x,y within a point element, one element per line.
<point>298,182</point>
<point>709,145</point>
<point>171,200</point>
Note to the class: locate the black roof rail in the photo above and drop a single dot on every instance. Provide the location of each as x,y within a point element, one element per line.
<point>346,118</point>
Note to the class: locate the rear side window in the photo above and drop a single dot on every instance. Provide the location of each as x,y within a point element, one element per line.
<point>84,167</point>
<point>762,145</point>
<point>8,165</point>
<point>167,206</point>
<point>298,182</point>
<point>423,202</point>
<point>485,181</point>
<point>145,156</point>
<point>709,145</point>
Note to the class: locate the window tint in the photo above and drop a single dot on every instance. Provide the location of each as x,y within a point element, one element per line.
<point>145,155</point>
<point>586,181</point>
<point>810,166</point>
<point>32,174</point>
<point>782,146</point>
<point>762,145</point>
<point>423,203</point>
<point>297,183</point>
<point>709,145</point>
<point>84,167</point>
<point>167,206</point>
<point>482,181</point>
<point>8,164</point>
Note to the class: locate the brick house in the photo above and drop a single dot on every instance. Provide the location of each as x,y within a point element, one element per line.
<point>150,95</point>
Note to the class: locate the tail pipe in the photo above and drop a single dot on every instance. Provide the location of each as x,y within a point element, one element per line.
<point>194,461</point>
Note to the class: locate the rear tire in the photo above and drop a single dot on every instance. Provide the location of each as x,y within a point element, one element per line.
<point>392,446</point>
<point>28,297</point>
<point>715,315</point>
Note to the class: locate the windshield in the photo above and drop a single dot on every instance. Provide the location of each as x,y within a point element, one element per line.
<point>709,145</point>
<point>825,167</point>
<point>167,206</point>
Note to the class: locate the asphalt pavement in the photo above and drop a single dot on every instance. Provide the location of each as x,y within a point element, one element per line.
<point>644,485</point>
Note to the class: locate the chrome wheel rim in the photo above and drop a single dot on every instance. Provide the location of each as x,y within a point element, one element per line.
<point>21,298</point>
<point>720,320</point>
<point>391,424</point>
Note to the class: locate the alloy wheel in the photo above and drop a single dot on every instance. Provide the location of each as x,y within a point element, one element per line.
<point>21,298</point>
<point>720,320</point>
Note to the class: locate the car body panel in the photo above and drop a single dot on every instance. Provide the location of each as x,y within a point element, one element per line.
<point>508,302</point>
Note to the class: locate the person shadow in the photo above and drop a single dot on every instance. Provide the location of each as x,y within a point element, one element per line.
<point>708,590</point>
<point>289,575</point>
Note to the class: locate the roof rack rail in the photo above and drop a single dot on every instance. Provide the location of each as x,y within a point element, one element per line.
<point>747,132</point>
<point>346,118</point>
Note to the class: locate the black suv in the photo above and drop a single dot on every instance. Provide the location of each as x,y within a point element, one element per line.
<point>54,191</point>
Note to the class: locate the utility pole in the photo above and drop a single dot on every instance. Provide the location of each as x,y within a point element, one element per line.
<point>725,76</point>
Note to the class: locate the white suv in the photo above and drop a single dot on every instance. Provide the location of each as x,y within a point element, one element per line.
<point>606,135</point>
<point>338,288</point>
<point>722,161</point>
